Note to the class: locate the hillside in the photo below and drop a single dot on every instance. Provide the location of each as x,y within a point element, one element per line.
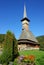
<point>40,39</point>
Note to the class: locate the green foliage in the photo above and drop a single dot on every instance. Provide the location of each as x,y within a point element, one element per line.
<point>0,59</point>
<point>41,41</point>
<point>7,52</point>
<point>2,37</point>
<point>10,50</point>
<point>16,62</point>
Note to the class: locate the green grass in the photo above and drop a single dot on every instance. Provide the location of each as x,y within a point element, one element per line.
<point>39,55</point>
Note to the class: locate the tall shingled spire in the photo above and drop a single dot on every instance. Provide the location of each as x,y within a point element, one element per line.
<point>25,20</point>
<point>26,33</point>
<point>25,14</point>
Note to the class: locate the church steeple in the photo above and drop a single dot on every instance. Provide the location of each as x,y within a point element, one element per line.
<point>25,14</point>
<point>25,20</point>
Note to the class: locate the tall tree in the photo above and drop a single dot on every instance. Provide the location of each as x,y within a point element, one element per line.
<point>10,47</point>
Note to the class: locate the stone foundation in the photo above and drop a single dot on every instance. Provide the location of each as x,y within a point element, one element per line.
<point>27,47</point>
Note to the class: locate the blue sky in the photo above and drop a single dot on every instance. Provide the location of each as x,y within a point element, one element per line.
<point>11,13</point>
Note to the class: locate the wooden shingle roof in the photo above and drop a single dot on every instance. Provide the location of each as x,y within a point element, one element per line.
<point>27,35</point>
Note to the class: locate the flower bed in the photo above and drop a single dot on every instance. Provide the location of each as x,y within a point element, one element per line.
<point>26,60</point>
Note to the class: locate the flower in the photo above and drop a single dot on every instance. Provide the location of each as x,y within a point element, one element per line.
<point>32,57</point>
<point>21,58</point>
<point>25,57</point>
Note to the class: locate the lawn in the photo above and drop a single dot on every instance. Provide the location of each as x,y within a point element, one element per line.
<point>39,55</point>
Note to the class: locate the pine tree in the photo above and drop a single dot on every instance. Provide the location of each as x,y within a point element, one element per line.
<point>10,51</point>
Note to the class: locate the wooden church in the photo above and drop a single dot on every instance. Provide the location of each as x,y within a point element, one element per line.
<point>27,40</point>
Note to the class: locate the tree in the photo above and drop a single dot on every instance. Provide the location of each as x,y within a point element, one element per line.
<point>10,50</point>
<point>41,41</point>
<point>15,48</point>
